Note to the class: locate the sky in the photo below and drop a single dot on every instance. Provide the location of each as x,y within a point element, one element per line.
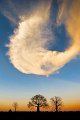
<point>39,52</point>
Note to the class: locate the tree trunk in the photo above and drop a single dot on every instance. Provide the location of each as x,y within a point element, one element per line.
<point>38,108</point>
<point>15,109</point>
<point>56,107</point>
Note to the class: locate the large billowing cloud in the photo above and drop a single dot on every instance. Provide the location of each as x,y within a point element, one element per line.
<point>27,48</point>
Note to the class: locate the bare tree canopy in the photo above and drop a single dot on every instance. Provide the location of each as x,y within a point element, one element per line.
<point>15,105</point>
<point>38,101</point>
<point>57,103</point>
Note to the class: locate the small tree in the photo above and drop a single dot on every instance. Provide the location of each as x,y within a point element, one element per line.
<point>15,105</point>
<point>57,103</point>
<point>38,101</point>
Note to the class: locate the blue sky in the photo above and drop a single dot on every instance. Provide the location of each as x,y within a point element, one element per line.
<point>15,85</point>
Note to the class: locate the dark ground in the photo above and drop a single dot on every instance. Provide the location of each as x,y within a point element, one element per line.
<point>66,115</point>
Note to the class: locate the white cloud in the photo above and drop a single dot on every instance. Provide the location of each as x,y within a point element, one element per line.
<point>27,50</point>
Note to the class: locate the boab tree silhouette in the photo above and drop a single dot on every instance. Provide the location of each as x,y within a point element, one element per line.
<point>57,103</point>
<point>15,105</point>
<point>38,101</point>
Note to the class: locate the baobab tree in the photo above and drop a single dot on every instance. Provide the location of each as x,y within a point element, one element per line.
<point>38,101</point>
<point>57,103</point>
<point>15,105</point>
